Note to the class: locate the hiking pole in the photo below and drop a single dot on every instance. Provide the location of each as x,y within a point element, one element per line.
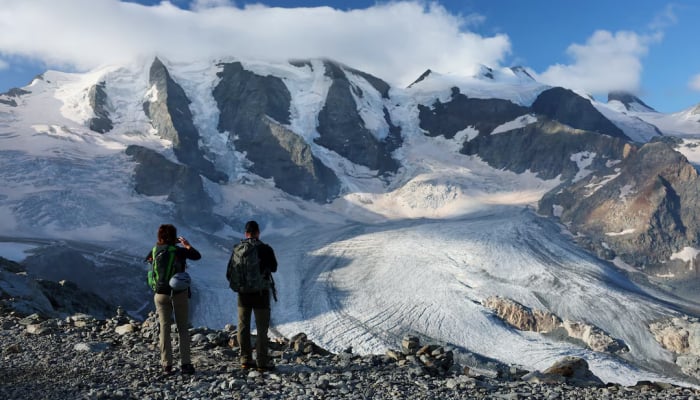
<point>273,288</point>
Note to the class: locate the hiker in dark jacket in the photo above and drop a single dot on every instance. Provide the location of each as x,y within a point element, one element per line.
<point>257,303</point>
<point>167,300</point>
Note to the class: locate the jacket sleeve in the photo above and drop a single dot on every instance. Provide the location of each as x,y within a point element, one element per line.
<point>190,254</point>
<point>268,260</point>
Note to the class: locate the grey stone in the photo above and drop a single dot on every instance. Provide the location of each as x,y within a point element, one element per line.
<point>342,129</point>
<point>254,110</point>
<point>97,98</point>
<point>461,112</point>
<point>569,108</point>
<point>171,116</point>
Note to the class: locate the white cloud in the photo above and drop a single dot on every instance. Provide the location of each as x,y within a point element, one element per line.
<point>695,83</point>
<point>4,65</point>
<point>606,62</point>
<point>395,41</point>
<point>664,19</point>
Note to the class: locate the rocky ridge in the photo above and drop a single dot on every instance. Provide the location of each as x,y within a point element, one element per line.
<point>81,357</point>
<point>681,336</point>
<point>536,320</point>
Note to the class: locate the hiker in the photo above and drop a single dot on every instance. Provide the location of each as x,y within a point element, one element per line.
<point>254,287</point>
<point>170,283</point>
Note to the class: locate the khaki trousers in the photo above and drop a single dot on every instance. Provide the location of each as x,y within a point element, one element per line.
<point>262,321</point>
<point>165,305</point>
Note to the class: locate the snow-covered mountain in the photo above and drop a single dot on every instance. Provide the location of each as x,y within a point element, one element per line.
<point>390,209</point>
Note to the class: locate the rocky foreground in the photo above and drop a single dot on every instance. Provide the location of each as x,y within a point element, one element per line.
<point>80,357</point>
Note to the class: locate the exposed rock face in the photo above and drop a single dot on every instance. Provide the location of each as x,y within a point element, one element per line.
<point>525,319</point>
<point>91,288</point>
<point>378,84</point>
<point>23,294</point>
<point>521,317</point>
<point>253,110</point>
<point>7,97</point>
<point>546,148</point>
<point>462,112</point>
<point>421,77</point>
<point>342,129</point>
<point>680,336</point>
<point>567,107</point>
<point>155,175</point>
<point>522,72</point>
<point>640,209</point>
<point>630,101</point>
<point>594,337</point>
<point>97,98</point>
<point>170,115</point>
<point>68,299</point>
<point>27,295</point>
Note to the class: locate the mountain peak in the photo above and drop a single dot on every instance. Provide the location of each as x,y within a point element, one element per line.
<point>421,77</point>
<point>521,71</point>
<point>630,101</point>
<point>484,72</point>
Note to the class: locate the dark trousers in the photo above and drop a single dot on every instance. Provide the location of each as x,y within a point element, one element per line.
<point>262,321</point>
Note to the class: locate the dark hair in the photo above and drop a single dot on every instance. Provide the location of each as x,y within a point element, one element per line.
<point>252,227</point>
<point>167,234</point>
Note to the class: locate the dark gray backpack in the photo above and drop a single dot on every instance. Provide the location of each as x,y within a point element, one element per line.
<point>243,271</point>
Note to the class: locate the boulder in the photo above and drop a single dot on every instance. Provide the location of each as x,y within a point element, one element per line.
<point>595,338</point>
<point>521,317</point>
<point>680,336</point>
<point>572,370</point>
<point>125,329</point>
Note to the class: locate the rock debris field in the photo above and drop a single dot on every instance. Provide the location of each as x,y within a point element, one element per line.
<point>80,357</point>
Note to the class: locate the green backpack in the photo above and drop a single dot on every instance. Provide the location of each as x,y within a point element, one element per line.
<point>243,270</point>
<point>164,265</point>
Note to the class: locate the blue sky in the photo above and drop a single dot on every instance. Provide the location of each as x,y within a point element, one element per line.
<point>647,47</point>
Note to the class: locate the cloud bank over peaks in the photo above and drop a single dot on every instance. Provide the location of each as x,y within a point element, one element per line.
<point>606,62</point>
<point>382,40</point>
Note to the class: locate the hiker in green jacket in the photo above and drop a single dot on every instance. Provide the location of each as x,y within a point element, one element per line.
<point>171,285</point>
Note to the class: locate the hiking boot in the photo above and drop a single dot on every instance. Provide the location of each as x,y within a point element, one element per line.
<point>266,368</point>
<point>187,369</point>
<point>167,369</point>
<point>247,365</point>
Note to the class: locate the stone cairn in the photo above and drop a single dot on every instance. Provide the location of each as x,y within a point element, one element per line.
<point>81,357</point>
